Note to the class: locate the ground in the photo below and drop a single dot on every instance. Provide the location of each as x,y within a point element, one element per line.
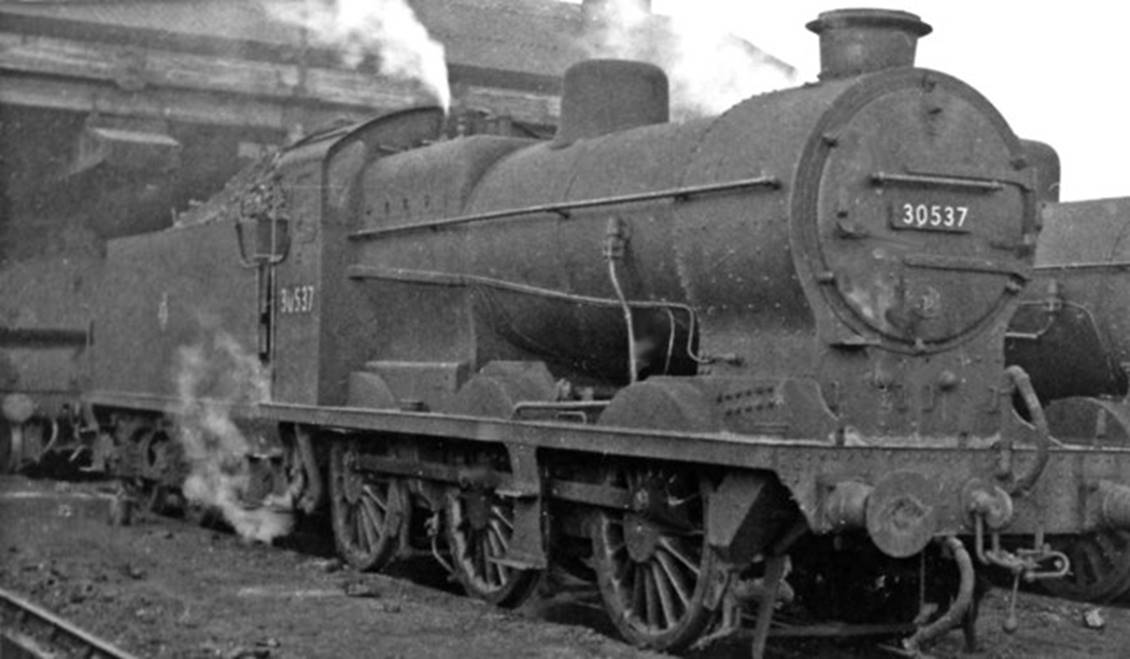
<point>163,588</point>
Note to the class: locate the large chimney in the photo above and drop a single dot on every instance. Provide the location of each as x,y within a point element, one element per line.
<point>855,41</point>
<point>603,96</point>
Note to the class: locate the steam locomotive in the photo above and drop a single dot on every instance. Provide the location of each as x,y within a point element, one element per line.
<point>749,363</point>
<point>1069,333</point>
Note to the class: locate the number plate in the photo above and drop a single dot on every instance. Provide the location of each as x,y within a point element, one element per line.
<point>921,216</point>
<point>296,299</point>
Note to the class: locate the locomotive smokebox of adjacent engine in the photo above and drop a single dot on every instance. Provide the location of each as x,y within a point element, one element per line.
<point>1072,330</point>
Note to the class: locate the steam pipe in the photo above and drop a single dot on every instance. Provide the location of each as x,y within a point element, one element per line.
<point>1043,436</point>
<point>960,606</point>
<point>614,246</point>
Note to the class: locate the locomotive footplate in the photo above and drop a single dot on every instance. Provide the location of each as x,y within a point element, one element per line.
<point>1078,491</point>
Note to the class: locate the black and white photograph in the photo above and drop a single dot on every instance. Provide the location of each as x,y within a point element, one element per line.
<point>627,329</point>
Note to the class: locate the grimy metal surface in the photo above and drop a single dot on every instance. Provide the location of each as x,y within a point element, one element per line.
<point>164,292</point>
<point>792,281</point>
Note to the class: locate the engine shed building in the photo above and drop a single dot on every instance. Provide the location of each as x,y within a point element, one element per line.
<point>117,115</point>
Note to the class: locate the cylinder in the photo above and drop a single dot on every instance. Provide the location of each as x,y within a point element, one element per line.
<point>856,41</point>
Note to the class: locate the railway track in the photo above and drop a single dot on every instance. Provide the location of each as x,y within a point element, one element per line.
<point>29,631</point>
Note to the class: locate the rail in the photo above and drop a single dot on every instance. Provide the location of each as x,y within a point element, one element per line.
<point>41,633</point>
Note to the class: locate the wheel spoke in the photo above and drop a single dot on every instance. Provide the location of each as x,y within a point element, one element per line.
<point>667,543</point>
<point>503,538</point>
<point>651,564</point>
<point>498,514</point>
<point>365,531</point>
<point>486,551</point>
<point>377,499</point>
<point>652,598</point>
<point>479,525</point>
<point>666,600</point>
<point>693,497</point>
<point>498,543</point>
<point>672,572</point>
<point>480,555</point>
<point>639,602</point>
<point>375,517</point>
<point>497,550</point>
<point>366,528</point>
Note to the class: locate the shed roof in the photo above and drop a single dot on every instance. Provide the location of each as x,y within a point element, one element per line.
<point>532,36</point>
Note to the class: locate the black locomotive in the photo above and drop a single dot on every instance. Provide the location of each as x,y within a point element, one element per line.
<point>1070,334</point>
<point>754,361</point>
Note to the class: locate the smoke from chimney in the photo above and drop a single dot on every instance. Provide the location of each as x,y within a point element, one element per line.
<point>710,70</point>
<point>386,29</point>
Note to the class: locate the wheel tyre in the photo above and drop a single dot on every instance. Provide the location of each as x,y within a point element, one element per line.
<point>653,603</point>
<point>1100,567</point>
<point>368,512</point>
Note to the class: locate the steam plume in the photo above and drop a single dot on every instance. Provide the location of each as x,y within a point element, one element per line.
<point>710,70</point>
<point>212,378</point>
<point>386,29</point>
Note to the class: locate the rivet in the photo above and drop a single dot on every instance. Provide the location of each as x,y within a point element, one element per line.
<point>947,380</point>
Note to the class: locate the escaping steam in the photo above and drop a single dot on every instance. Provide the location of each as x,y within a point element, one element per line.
<point>385,29</point>
<point>710,70</point>
<point>212,378</point>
